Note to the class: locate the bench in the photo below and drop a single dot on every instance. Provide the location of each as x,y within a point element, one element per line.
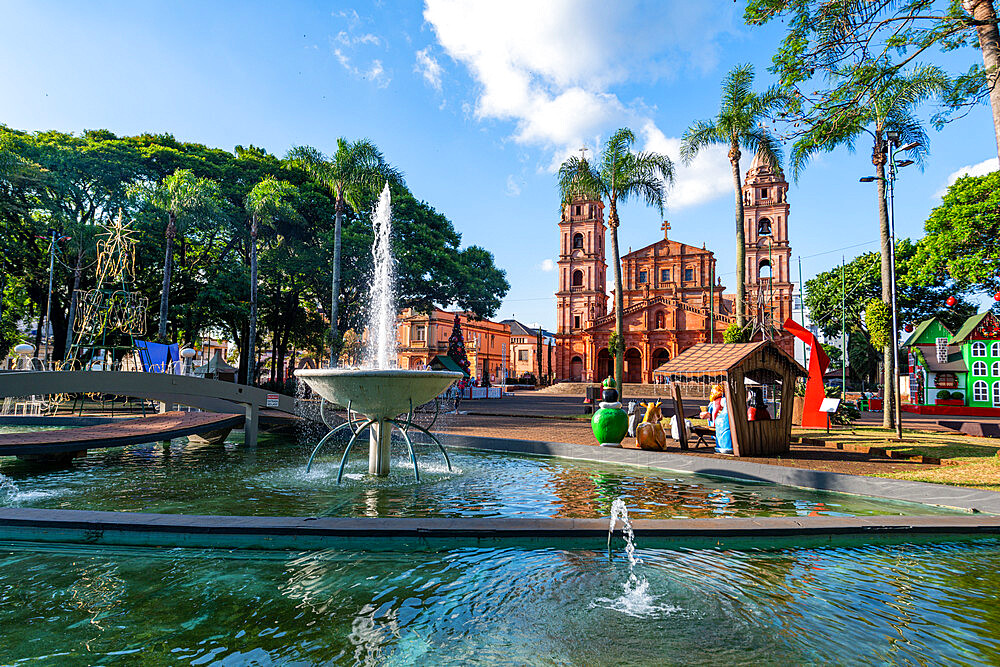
<point>703,432</point>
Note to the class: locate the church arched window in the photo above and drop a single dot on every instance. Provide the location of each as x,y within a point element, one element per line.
<point>577,241</point>
<point>578,278</point>
<point>764,227</point>
<point>764,270</point>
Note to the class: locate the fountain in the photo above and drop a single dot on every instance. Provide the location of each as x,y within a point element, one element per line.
<point>378,390</point>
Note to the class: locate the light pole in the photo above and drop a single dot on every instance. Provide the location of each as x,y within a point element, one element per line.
<point>894,167</point>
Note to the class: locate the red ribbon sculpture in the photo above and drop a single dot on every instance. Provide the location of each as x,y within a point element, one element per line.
<point>818,362</point>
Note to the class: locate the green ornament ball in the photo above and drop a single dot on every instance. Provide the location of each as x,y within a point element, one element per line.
<point>609,425</point>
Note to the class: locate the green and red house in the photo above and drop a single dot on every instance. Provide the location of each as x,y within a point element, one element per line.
<point>955,373</point>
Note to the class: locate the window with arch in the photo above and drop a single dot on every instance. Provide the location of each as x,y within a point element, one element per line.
<point>577,241</point>
<point>995,369</point>
<point>764,227</point>
<point>995,348</point>
<point>979,349</point>
<point>979,369</point>
<point>996,394</point>
<point>578,278</point>
<point>979,391</point>
<point>764,270</point>
<point>661,320</point>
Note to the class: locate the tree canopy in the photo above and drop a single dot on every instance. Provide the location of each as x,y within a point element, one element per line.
<point>72,183</point>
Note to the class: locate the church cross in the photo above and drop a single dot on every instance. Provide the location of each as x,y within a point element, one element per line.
<point>583,152</point>
<point>666,228</point>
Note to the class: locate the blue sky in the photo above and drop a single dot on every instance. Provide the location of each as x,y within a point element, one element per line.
<point>476,102</point>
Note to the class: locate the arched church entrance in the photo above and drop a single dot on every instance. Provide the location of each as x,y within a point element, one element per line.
<point>660,357</point>
<point>633,366</point>
<point>604,368</point>
<point>576,369</point>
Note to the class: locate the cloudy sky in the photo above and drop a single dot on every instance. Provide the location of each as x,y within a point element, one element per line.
<point>477,102</point>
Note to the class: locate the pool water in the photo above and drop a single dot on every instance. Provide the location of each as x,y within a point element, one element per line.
<point>901,605</point>
<point>271,480</point>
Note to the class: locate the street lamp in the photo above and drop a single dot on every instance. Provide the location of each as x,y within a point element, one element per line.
<point>894,167</point>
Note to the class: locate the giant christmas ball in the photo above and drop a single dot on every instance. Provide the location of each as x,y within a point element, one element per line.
<point>951,301</point>
<point>609,425</point>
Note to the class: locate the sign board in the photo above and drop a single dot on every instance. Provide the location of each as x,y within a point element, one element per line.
<point>272,400</point>
<point>829,405</point>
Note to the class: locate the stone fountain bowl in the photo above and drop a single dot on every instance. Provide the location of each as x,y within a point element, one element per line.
<point>377,394</point>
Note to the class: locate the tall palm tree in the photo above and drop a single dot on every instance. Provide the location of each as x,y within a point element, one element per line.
<point>887,108</point>
<point>179,193</point>
<point>617,176</point>
<point>268,201</point>
<point>739,125</point>
<point>356,170</point>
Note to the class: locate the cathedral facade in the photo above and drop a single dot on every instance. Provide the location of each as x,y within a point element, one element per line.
<point>673,296</point>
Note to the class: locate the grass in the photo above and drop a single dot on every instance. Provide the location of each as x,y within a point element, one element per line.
<point>965,460</point>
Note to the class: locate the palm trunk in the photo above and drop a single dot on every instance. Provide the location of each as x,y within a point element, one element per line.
<point>741,246</point>
<point>252,334</point>
<point>335,294</point>
<point>168,267</point>
<point>619,301</point>
<point>985,15</point>
<point>889,364</point>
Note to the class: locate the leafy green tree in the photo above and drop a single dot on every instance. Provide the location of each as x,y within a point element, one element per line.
<point>916,300</point>
<point>354,171</point>
<point>827,38</point>
<point>887,107</point>
<point>739,125</point>
<point>178,195</point>
<point>268,201</point>
<point>963,237</point>
<point>618,175</point>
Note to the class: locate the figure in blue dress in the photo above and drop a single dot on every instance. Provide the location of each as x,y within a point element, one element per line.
<point>719,418</point>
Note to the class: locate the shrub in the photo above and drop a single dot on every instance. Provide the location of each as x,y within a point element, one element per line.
<point>944,394</point>
<point>878,321</point>
<point>846,414</point>
<point>734,333</point>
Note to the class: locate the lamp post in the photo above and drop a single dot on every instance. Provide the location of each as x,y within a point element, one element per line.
<point>894,167</point>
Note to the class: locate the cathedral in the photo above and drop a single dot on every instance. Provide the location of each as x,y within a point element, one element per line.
<point>673,295</point>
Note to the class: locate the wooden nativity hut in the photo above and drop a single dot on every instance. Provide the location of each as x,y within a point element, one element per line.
<point>740,367</point>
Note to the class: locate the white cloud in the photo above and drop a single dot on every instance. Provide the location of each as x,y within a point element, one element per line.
<point>547,265</point>
<point>979,169</point>
<point>513,189</point>
<point>346,45</point>
<point>708,176</point>
<point>429,67</point>
<point>550,68</point>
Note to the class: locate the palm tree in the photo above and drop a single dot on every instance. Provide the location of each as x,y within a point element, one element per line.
<point>179,193</point>
<point>887,108</point>
<point>268,201</point>
<point>355,171</point>
<point>617,176</point>
<point>739,125</point>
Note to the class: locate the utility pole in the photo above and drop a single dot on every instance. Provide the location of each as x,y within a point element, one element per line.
<point>802,314</point>
<point>843,328</point>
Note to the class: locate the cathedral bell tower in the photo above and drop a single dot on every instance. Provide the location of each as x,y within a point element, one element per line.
<point>768,263</point>
<point>582,295</point>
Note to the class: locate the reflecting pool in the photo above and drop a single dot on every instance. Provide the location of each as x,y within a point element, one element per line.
<point>271,480</point>
<point>904,604</point>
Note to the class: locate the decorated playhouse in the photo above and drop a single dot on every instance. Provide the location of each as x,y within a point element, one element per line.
<point>955,373</point>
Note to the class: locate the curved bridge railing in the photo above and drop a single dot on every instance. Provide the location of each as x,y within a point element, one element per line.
<point>167,389</point>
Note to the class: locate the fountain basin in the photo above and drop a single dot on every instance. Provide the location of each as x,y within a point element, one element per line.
<point>377,394</point>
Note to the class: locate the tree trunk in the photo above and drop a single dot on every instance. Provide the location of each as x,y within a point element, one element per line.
<point>335,293</point>
<point>889,364</point>
<point>619,300</point>
<point>252,332</point>
<point>168,267</point>
<point>985,15</point>
<point>741,247</point>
